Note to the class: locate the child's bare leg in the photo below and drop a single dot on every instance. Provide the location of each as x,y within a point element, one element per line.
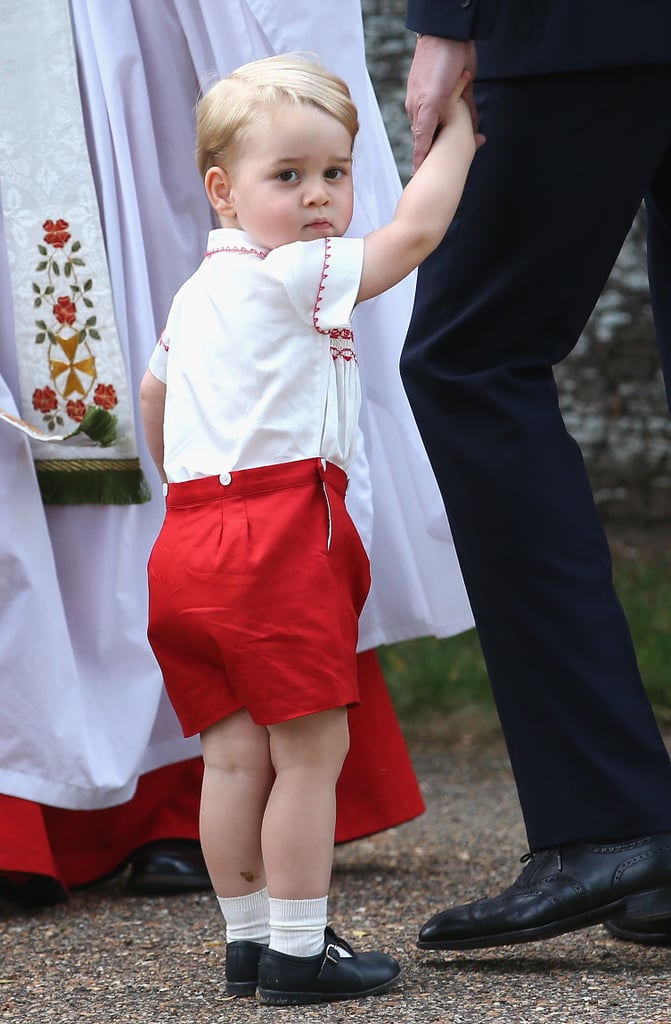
<point>299,823</point>
<point>305,961</point>
<point>237,780</point>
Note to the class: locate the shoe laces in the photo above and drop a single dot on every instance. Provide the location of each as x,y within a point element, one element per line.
<point>528,857</point>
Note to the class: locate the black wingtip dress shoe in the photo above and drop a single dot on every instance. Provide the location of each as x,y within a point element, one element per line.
<point>167,867</point>
<point>334,974</point>
<point>561,890</point>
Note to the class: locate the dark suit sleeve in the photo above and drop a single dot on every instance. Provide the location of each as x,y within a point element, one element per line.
<point>453,19</point>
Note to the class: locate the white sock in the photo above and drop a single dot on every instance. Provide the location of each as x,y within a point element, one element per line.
<point>246,917</point>
<point>297,926</point>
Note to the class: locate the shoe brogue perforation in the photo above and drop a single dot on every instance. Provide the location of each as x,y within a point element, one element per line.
<point>627,844</point>
<point>646,855</point>
<point>576,888</point>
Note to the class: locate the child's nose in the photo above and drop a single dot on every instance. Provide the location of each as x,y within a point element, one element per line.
<point>316,194</point>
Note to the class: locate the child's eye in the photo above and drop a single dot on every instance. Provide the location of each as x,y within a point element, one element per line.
<point>334,173</point>
<point>288,176</point>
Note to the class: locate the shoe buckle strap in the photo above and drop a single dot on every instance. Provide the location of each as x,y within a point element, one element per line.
<point>330,962</point>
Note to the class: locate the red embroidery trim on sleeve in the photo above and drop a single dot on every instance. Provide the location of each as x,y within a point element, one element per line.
<point>335,333</point>
<point>320,289</point>
<point>348,354</point>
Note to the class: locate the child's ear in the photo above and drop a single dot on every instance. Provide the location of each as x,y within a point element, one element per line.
<point>218,189</point>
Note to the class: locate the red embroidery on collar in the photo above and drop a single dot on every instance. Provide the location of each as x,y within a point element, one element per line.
<point>246,250</point>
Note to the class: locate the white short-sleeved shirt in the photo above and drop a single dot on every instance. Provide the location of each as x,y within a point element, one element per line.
<point>258,357</point>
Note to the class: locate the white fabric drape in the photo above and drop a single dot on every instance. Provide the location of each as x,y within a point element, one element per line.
<point>83,708</point>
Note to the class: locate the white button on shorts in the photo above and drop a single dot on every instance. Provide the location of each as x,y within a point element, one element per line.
<point>225,479</point>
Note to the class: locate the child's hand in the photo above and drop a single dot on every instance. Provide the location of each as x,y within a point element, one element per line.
<point>429,200</point>
<point>456,126</point>
<point>464,80</point>
<point>457,104</point>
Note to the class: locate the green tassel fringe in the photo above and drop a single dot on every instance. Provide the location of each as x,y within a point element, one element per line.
<point>92,482</point>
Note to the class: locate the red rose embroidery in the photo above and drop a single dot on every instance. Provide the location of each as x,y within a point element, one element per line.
<point>65,310</point>
<point>44,400</point>
<point>76,410</point>
<point>105,396</point>
<point>55,233</point>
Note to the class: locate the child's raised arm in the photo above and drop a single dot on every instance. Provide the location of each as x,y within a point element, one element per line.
<point>426,207</point>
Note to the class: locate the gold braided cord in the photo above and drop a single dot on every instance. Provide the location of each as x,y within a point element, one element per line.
<point>75,465</point>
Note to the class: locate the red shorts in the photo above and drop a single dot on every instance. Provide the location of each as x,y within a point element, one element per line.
<point>256,583</point>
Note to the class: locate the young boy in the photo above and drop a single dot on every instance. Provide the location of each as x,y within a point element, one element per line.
<point>258,575</point>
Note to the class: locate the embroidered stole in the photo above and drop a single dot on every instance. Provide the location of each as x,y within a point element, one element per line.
<point>72,377</point>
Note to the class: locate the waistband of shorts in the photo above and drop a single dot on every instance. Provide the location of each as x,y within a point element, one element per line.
<point>255,481</point>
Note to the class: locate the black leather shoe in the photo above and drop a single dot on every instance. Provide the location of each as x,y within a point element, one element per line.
<point>647,933</point>
<point>560,890</point>
<point>242,967</point>
<point>168,866</point>
<point>290,980</point>
<point>32,891</point>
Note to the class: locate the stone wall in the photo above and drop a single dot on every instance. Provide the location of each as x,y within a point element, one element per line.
<point>611,385</point>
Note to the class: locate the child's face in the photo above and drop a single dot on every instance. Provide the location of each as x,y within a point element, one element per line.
<point>293,180</point>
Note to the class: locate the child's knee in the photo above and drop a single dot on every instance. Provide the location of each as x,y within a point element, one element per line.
<point>236,743</point>
<point>318,742</point>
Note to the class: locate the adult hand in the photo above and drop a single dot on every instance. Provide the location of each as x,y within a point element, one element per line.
<point>435,71</point>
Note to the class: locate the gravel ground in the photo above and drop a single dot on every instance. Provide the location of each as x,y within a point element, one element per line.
<point>107,956</point>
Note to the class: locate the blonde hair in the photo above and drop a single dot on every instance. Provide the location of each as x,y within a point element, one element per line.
<point>240,101</point>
